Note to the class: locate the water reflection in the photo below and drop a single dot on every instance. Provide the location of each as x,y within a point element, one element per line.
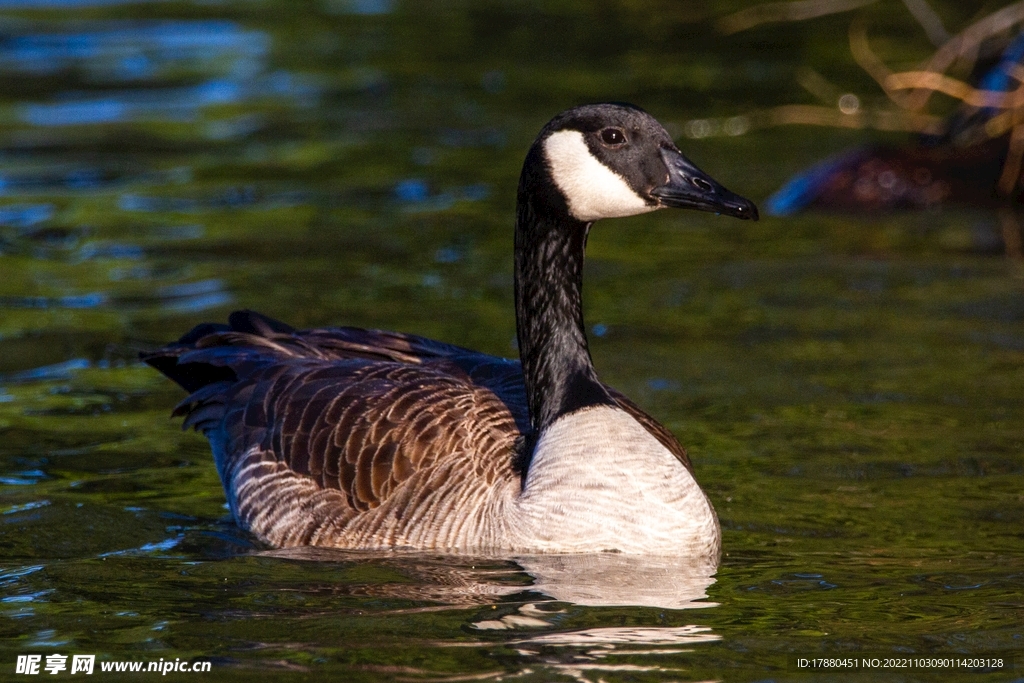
<point>680,635</point>
<point>74,85</point>
<point>160,162</point>
<point>593,580</point>
<point>64,4</point>
<point>24,215</point>
<point>230,63</point>
<point>612,579</point>
<point>595,649</point>
<point>193,296</point>
<point>133,51</point>
<point>175,104</point>
<point>56,371</point>
<point>92,300</point>
<point>186,297</point>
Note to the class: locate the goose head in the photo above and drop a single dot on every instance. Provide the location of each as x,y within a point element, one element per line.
<point>588,163</point>
<point>614,160</point>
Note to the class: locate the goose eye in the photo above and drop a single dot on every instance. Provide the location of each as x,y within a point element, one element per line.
<point>613,137</point>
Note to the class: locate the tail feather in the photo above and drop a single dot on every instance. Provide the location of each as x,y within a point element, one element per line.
<point>252,322</point>
<point>205,416</point>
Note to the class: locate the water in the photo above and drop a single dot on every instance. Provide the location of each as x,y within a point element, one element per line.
<point>849,389</point>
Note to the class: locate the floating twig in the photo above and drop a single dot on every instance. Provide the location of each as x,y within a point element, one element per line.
<point>929,20</point>
<point>813,115</point>
<point>774,12</point>
<point>936,82</point>
<point>965,45</point>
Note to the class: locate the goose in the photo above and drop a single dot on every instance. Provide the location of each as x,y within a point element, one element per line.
<point>365,439</point>
<point>969,162</point>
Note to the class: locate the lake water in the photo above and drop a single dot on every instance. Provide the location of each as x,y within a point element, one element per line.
<point>851,390</point>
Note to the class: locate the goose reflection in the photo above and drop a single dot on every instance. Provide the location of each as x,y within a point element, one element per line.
<point>590,580</point>
<point>521,603</point>
<point>617,580</point>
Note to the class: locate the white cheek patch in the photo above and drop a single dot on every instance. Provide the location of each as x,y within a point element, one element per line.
<point>591,189</point>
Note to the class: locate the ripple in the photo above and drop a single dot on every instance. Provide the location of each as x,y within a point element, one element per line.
<point>416,196</point>
<point>131,51</point>
<point>91,300</point>
<point>64,4</point>
<point>24,215</point>
<point>163,104</point>
<point>194,296</point>
<point>62,370</point>
<point>109,250</point>
<point>11,576</point>
<point>25,507</point>
<point>25,597</point>
<point>360,7</point>
<point>147,548</point>
<point>58,176</point>
<point>678,635</point>
<point>230,198</point>
<point>26,478</point>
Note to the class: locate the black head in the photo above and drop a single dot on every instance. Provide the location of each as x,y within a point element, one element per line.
<point>611,160</point>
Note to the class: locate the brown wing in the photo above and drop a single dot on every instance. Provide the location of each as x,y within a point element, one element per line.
<point>365,427</point>
<point>311,429</point>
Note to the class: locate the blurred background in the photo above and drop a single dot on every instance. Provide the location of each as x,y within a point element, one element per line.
<point>846,373</point>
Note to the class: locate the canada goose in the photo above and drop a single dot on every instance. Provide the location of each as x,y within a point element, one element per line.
<point>357,438</point>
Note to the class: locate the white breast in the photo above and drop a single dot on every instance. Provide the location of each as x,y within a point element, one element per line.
<point>591,189</point>
<point>599,481</point>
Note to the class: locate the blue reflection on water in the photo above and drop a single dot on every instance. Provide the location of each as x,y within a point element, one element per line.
<point>362,7</point>
<point>91,300</point>
<point>57,176</point>
<point>74,113</point>
<point>25,215</point>
<point>415,194</point>
<point>26,478</point>
<point>44,4</point>
<point>232,59</point>
<point>192,297</point>
<point>109,250</point>
<point>174,103</point>
<point>133,51</point>
<point>663,384</point>
<point>25,506</point>
<point>55,371</point>
<point>11,576</point>
<point>158,546</point>
<point>47,637</point>
<point>189,297</point>
<point>448,255</point>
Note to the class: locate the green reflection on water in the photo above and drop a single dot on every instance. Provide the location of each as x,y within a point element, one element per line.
<point>849,389</point>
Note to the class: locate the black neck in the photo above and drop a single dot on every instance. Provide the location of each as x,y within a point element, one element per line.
<point>549,245</point>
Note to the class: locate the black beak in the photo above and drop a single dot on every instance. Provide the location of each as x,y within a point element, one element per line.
<point>688,187</point>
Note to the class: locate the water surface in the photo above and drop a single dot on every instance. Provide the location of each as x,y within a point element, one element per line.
<point>849,389</point>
